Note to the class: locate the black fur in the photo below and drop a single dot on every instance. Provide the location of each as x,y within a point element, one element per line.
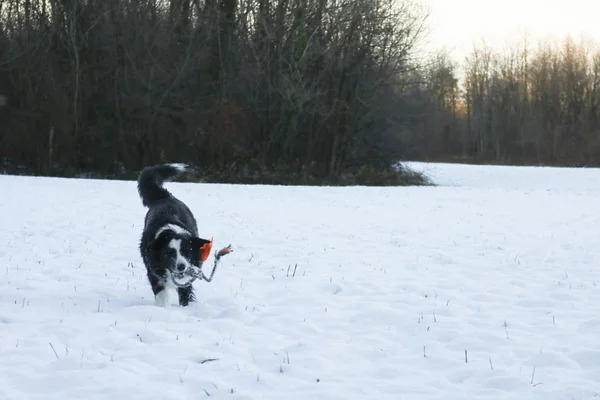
<point>165,210</point>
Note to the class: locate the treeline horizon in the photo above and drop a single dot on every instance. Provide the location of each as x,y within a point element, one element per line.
<point>532,103</point>
<point>277,91</point>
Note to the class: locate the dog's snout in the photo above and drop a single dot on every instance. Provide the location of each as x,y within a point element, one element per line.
<point>181,267</point>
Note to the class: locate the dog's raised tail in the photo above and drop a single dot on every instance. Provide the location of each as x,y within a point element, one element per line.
<point>151,179</point>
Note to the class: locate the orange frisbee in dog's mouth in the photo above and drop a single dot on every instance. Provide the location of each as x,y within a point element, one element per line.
<point>205,250</point>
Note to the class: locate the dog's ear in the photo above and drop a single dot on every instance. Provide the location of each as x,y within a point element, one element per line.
<point>203,247</point>
<point>197,242</point>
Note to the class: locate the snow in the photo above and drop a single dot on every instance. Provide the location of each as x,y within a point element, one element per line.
<point>484,287</point>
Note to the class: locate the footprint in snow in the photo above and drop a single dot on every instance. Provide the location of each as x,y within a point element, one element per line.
<point>333,288</point>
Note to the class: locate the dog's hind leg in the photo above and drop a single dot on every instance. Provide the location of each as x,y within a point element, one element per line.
<point>186,295</point>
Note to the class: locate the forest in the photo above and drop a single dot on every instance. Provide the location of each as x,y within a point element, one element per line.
<point>531,104</point>
<point>278,91</point>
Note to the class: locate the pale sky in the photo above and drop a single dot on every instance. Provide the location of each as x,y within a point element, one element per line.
<point>457,24</point>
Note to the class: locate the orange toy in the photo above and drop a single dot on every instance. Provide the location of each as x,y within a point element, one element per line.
<point>205,250</point>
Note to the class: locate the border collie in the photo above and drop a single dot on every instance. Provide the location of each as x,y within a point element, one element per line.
<point>170,246</point>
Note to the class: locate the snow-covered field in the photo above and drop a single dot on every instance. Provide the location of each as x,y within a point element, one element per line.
<point>485,287</point>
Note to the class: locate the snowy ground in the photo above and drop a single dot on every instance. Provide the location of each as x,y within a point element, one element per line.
<point>485,287</point>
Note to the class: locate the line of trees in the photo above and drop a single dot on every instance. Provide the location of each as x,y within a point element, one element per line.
<point>532,104</point>
<point>287,91</point>
<point>246,90</point>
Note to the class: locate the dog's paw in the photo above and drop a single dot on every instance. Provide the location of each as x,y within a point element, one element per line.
<point>162,299</point>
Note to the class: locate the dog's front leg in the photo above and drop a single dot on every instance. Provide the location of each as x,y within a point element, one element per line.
<point>186,295</point>
<point>161,296</point>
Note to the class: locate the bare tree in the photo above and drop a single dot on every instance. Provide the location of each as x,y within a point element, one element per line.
<point>522,105</point>
<point>244,89</point>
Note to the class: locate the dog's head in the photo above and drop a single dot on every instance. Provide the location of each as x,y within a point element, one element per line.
<point>180,253</point>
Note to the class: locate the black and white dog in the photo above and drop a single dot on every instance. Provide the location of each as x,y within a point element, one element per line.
<point>170,246</point>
